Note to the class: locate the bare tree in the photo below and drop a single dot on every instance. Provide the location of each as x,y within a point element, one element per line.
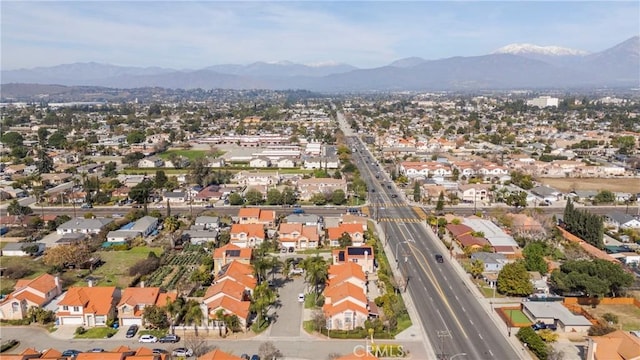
<point>198,344</point>
<point>268,351</point>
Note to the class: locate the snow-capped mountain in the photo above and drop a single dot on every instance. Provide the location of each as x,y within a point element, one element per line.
<point>530,49</point>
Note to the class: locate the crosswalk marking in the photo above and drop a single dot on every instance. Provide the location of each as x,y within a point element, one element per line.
<point>388,205</point>
<point>401,220</point>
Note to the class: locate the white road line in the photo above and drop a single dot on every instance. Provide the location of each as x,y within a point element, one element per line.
<point>471,321</point>
<point>480,335</point>
<point>491,352</point>
<point>465,310</point>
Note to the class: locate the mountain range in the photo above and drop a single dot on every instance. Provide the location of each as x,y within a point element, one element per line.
<point>514,66</point>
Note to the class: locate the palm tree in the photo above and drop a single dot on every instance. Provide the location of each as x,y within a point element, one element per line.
<point>260,266</point>
<point>175,310</point>
<point>220,318</point>
<point>316,272</point>
<point>233,322</point>
<point>193,314</point>
<point>274,264</point>
<point>286,267</point>
<point>263,296</point>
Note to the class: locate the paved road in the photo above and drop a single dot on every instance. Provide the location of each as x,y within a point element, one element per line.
<point>454,321</point>
<point>306,348</point>
<point>288,313</point>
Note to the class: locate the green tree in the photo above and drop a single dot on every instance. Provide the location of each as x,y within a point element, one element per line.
<point>110,169</point>
<point>133,158</point>
<point>477,268</point>
<point>534,342</point>
<point>513,280</point>
<point>44,163</point>
<point>604,197</point>
<point>517,199</point>
<point>43,133</point>
<point>289,196</point>
<point>338,197</point>
<point>345,240</point>
<point>193,314</point>
<point>440,203</point>
<point>14,208</point>
<point>263,297</point>
<point>160,180</point>
<point>58,140</point>
<point>316,271</point>
<point>12,139</point>
<point>417,193</point>
<point>534,257</point>
<point>235,199</point>
<point>154,317</point>
<point>318,199</point>
<point>593,277</point>
<point>140,193</point>
<point>254,197</point>
<point>171,224</point>
<point>135,137</point>
<point>274,197</point>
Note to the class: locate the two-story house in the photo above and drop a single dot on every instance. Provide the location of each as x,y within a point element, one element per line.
<point>298,236</point>
<point>87,306</point>
<point>257,216</point>
<point>228,253</point>
<point>29,293</point>
<point>135,299</point>
<point>247,235</point>
<point>346,306</point>
<point>361,255</point>
<point>354,230</point>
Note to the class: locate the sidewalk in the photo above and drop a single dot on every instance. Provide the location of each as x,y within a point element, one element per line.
<point>486,303</point>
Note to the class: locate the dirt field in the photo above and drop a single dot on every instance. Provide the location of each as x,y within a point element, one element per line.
<point>631,185</point>
<point>628,315</point>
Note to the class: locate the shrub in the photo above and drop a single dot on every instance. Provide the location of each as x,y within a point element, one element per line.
<point>610,318</point>
<point>8,345</point>
<point>600,329</point>
<point>145,267</point>
<point>17,271</point>
<point>533,341</point>
<point>548,336</point>
<point>80,330</point>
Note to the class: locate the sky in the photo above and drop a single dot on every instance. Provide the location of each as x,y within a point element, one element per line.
<point>196,34</point>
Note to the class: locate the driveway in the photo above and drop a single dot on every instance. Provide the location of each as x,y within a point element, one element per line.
<point>288,314</point>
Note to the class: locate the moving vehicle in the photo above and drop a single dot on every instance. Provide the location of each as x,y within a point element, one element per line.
<point>182,352</point>
<point>439,258</point>
<point>148,339</point>
<point>86,206</point>
<point>301,297</point>
<point>131,331</point>
<point>170,338</point>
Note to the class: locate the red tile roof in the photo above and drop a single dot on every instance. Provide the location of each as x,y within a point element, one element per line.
<point>97,300</point>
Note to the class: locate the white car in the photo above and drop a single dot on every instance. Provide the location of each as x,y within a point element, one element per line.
<point>301,297</point>
<point>148,339</point>
<point>182,352</point>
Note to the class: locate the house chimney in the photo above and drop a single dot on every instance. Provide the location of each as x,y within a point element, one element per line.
<point>56,280</point>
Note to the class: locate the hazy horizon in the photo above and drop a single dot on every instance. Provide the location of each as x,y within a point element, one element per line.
<point>194,35</point>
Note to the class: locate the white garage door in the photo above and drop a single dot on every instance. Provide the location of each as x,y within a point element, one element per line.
<point>71,321</point>
<point>131,321</point>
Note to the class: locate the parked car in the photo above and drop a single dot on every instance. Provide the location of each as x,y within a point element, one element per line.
<point>131,331</point>
<point>86,206</point>
<point>159,351</point>
<point>182,352</point>
<point>541,326</point>
<point>255,357</point>
<point>96,350</point>
<point>301,297</point>
<point>170,338</point>
<point>71,353</point>
<point>296,271</point>
<point>148,339</point>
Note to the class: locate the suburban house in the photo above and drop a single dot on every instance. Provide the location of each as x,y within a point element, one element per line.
<point>247,235</point>
<point>346,304</point>
<point>247,178</point>
<point>135,299</point>
<point>28,293</point>
<point>308,187</point>
<point>260,162</point>
<point>210,193</point>
<point>492,262</point>
<point>361,255</point>
<point>231,294</point>
<point>298,236</point>
<point>218,354</point>
<point>471,193</point>
<point>228,253</point>
<point>84,226</point>
<point>499,240</point>
<point>200,237</point>
<point>144,227</point>
<point>553,312</point>
<point>87,306</point>
<point>150,162</point>
<point>206,222</point>
<point>304,219</point>
<point>355,231</point>
<point>19,249</point>
<point>617,345</point>
<point>620,221</point>
<point>175,197</point>
<point>257,216</point>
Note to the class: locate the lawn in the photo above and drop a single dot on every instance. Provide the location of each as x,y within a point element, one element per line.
<point>97,333</point>
<point>189,154</point>
<point>516,316</point>
<point>36,266</point>
<point>628,315</point>
<point>115,270</point>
